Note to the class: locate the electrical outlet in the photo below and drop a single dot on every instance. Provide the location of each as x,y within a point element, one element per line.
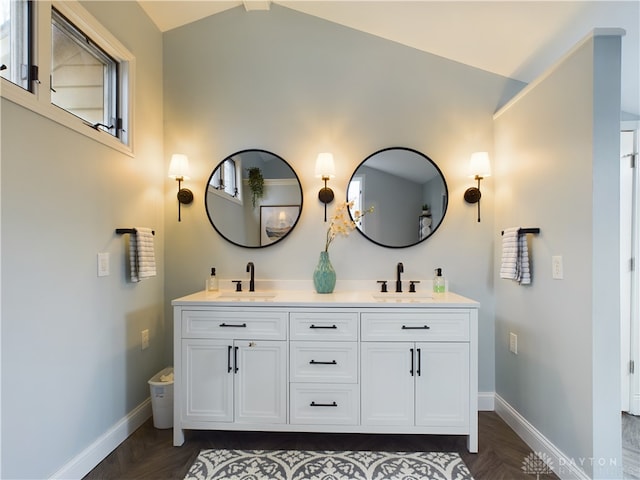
<point>513,343</point>
<point>145,338</point>
<point>103,264</point>
<point>556,267</point>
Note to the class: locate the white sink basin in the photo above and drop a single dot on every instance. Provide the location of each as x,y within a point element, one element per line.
<point>247,296</point>
<point>404,297</point>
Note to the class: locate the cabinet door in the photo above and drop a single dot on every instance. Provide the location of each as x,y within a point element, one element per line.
<point>387,386</point>
<point>208,383</point>
<point>261,381</point>
<point>442,385</point>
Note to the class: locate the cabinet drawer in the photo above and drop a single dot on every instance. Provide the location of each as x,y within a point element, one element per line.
<point>324,362</point>
<point>334,326</point>
<point>324,404</point>
<point>231,323</point>
<point>396,326</point>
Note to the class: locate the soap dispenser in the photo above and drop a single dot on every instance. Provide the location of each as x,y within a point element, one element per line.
<point>212,281</point>
<point>438,281</point>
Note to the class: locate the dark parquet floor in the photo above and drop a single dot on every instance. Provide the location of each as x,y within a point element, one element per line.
<point>148,453</point>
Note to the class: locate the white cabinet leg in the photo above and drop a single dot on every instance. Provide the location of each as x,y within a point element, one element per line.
<point>178,437</point>
<point>472,443</point>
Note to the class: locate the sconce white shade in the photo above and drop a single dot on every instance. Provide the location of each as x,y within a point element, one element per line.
<point>325,167</point>
<point>479,165</point>
<point>179,167</point>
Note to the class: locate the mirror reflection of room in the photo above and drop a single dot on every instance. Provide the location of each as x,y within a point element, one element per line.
<point>407,191</point>
<point>247,192</point>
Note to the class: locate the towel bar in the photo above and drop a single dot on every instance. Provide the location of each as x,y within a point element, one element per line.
<point>534,231</point>
<point>122,231</point>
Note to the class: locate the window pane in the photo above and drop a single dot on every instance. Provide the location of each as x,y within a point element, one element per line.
<point>225,178</point>
<point>14,41</point>
<point>230,177</point>
<point>83,77</point>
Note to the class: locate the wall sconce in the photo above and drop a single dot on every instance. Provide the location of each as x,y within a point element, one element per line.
<point>326,170</point>
<point>479,167</point>
<point>179,170</point>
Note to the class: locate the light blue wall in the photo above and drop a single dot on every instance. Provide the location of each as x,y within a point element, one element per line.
<point>295,85</point>
<point>298,85</point>
<point>71,362</point>
<point>395,199</point>
<point>556,167</point>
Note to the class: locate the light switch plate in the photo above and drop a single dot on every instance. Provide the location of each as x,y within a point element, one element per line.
<point>103,264</point>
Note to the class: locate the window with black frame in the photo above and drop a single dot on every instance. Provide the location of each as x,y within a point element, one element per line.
<point>16,40</point>
<point>84,78</point>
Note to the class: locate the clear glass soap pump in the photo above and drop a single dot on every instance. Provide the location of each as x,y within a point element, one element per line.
<point>212,281</point>
<point>438,281</point>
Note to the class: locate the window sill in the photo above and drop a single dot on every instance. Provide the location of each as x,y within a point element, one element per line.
<point>28,100</point>
<point>224,195</point>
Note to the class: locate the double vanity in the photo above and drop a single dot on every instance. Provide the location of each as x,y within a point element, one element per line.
<point>287,359</point>
<point>346,362</point>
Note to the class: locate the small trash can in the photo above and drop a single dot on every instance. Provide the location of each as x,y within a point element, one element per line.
<point>161,386</point>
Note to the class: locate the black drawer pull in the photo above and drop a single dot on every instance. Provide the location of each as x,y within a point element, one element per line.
<point>333,327</point>
<point>235,325</point>
<point>315,362</point>
<point>413,361</point>
<point>229,359</point>
<point>424,327</point>
<point>235,360</point>
<point>332,404</point>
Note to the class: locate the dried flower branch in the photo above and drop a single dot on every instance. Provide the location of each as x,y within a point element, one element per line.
<point>341,223</point>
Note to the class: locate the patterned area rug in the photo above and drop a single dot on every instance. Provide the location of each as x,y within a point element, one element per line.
<point>326,465</point>
<point>631,446</point>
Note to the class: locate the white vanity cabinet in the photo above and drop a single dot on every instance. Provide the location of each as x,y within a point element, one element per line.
<point>233,367</point>
<point>326,363</point>
<point>422,383</point>
<point>324,368</point>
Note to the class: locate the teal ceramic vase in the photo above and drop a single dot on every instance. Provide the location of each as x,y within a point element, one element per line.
<point>324,276</point>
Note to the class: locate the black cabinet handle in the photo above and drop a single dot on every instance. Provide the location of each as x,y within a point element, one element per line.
<point>333,327</point>
<point>234,325</point>
<point>332,404</point>
<point>419,362</point>
<point>235,359</point>
<point>315,362</point>
<point>424,327</point>
<point>229,359</point>
<point>412,362</point>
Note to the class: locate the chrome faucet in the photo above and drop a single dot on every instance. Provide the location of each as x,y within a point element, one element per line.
<point>399,270</point>
<point>251,269</point>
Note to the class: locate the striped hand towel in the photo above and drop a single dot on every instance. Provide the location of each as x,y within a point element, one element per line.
<point>515,256</point>
<point>142,254</point>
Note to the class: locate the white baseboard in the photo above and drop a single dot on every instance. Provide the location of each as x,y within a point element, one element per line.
<point>634,405</point>
<point>562,465</point>
<point>486,401</point>
<point>91,456</point>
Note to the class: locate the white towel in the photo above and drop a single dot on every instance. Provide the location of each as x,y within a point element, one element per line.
<point>141,254</point>
<point>515,256</point>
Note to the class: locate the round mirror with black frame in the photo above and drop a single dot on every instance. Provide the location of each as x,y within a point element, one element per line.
<point>253,198</point>
<point>407,191</point>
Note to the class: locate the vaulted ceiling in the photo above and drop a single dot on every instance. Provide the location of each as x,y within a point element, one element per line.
<point>518,39</point>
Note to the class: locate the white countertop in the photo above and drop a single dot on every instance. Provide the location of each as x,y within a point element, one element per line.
<point>309,298</point>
